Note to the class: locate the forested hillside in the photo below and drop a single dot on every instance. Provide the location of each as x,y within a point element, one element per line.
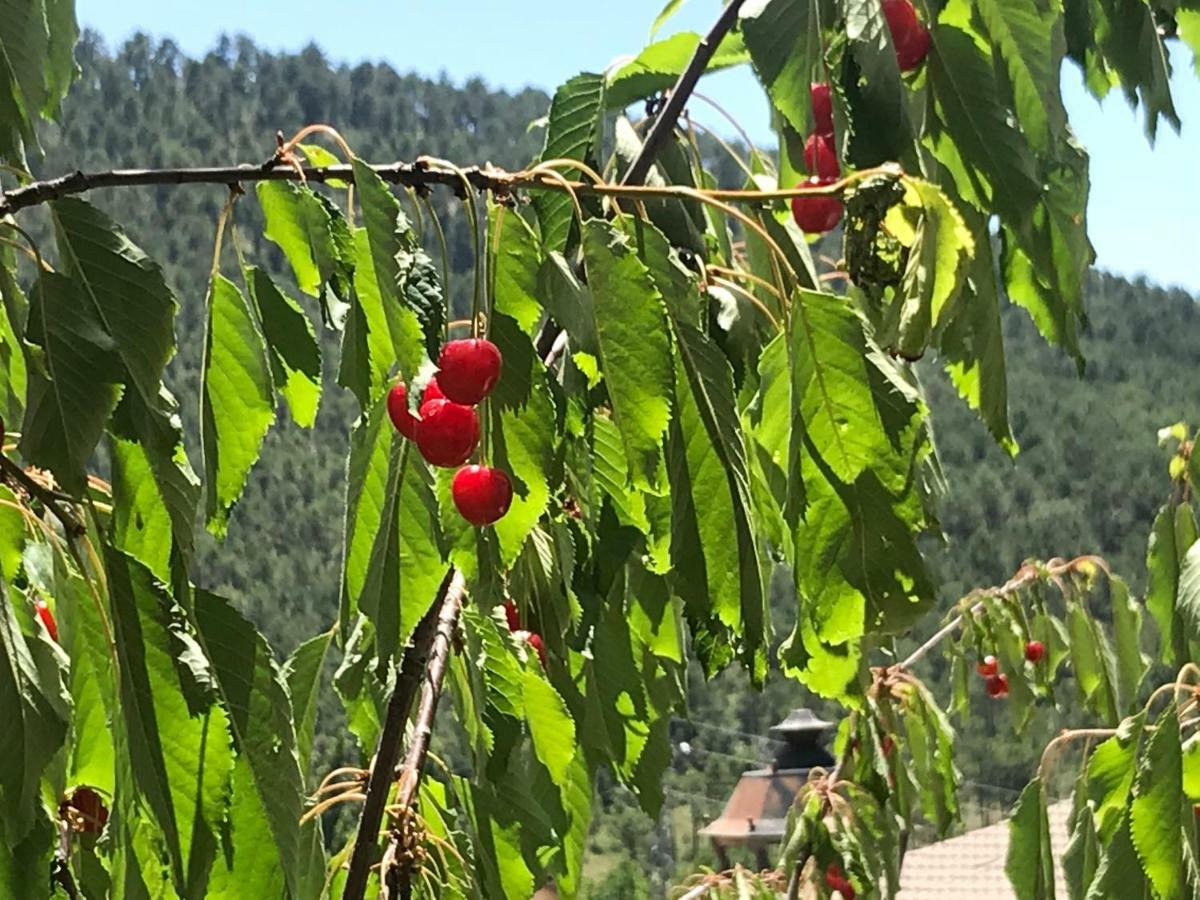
<point>1088,478</point>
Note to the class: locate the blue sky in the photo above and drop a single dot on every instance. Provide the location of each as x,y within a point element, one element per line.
<point>1145,203</point>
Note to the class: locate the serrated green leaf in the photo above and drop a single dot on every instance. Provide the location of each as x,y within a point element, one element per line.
<point>966,95</point>
<point>295,356</point>
<point>1171,535</point>
<point>658,66</point>
<point>303,672</point>
<point>550,724</point>
<point>1030,861</point>
<point>1131,663</point>
<point>35,708</point>
<point>12,325</point>
<point>830,385</point>
<point>1187,603</point>
<point>1080,859</point>
<point>237,401</point>
<point>635,352</point>
<point>569,302</point>
<point>1090,656</point>
<point>525,447</point>
<point>517,260</point>
<point>1029,41</point>
<point>937,265</point>
<point>249,864</point>
<point>141,525</point>
<point>1110,773</point>
<point>392,558</point>
<point>268,780</point>
<point>1119,873</point>
<point>784,47</point>
<point>177,747</point>
<point>726,564</point>
<point>300,225</point>
<point>1154,812</point>
<point>878,100</point>
<point>125,288</point>
<point>1129,37</point>
<point>573,132</point>
<point>12,534</point>
<point>25,860</point>
<point>74,384</point>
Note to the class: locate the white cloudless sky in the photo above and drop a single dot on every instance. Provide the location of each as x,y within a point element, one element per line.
<point>1144,209</point>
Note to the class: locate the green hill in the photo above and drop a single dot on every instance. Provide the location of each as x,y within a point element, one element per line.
<point>1088,478</point>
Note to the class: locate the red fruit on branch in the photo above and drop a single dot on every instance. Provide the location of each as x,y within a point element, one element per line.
<point>836,880</point>
<point>820,157</point>
<point>988,667</point>
<point>432,392</point>
<point>909,36</point>
<point>513,617</point>
<point>84,810</point>
<point>447,433</point>
<point>482,494</point>
<point>535,641</point>
<point>887,745</point>
<point>469,369</point>
<point>47,617</point>
<point>1034,651</point>
<point>822,107</point>
<point>402,418</point>
<point>816,214</point>
<point>997,686</point>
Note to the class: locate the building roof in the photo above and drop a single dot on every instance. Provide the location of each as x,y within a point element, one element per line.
<point>972,865</point>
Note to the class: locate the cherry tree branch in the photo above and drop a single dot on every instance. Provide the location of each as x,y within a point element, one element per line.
<point>409,775</point>
<point>408,680</point>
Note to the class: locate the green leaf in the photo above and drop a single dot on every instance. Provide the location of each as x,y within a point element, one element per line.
<point>569,302</point>
<point>967,99</point>
<point>393,559</point>
<point>660,64</point>
<point>1128,35</point>
<point>303,673</point>
<point>1110,772</point>
<point>397,333</point>
<point>141,524</point>
<point>260,714</point>
<point>937,264</point>
<point>573,132</point>
<point>973,347</point>
<point>635,351</point>
<point>1154,812</point>
<point>710,489</point>
<point>237,402</point>
<point>1131,663</point>
<point>125,288</point>
<point>878,99</point>
<point>74,384</point>
<point>34,708</point>
<point>249,864</point>
<point>830,385</point>
<point>295,356</point>
<point>1030,861</point>
<point>12,534</point>
<point>1090,655</point>
<point>1029,41</point>
<point>1080,859</point>
<point>1188,601</point>
<point>1171,535</point>
<point>177,742</point>
<point>516,262</point>
<point>785,50</point>
<point>301,226</point>
<point>1119,873</point>
<point>525,447</point>
<point>12,357</point>
<point>550,724</point>
<point>25,861</point>
<point>671,7</point>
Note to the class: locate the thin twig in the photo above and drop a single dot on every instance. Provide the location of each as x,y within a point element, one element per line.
<point>387,752</point>
<point>48,497</point>
<point>664,122</point>
<point>431,691</point>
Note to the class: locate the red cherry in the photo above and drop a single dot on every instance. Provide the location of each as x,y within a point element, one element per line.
<point>447,433</point>
<point>397,405</point>
<point>997,686</point>
<point>887,745</point>
<point>47,618</point>
<point>469,369</point>
<point>822,107</point>
<point>833,872</point>
<point>1034,651</point>
<point>820,157</point>
<point>482,494</point>
<point>432,392</point>
<point>816,214</point>
<point>90,812</point>
<point>514,617</point>
<point>988,667</point>
<point>535,641</point>
<point>909,36</point>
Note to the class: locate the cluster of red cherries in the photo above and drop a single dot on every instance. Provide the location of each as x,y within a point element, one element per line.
<point>836,880</point>
<point>446,426</point>
<point>819,213</point>
<point>532,638</point>
<point>995,682</point>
